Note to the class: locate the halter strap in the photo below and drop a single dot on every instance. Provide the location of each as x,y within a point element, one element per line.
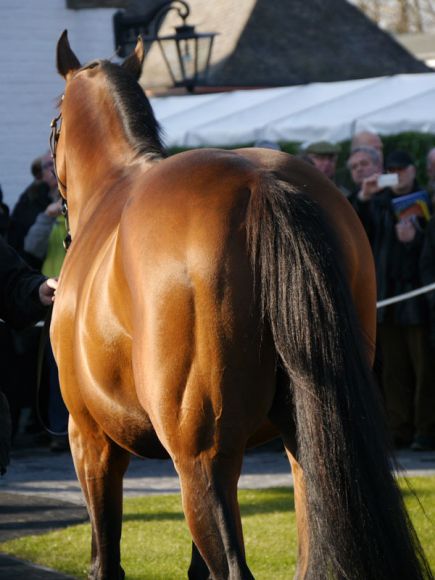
<point>54,138</point>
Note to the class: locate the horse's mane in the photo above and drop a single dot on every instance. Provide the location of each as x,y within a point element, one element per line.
<point>141,127</point>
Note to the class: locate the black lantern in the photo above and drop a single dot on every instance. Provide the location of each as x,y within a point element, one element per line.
<point>186,52</point>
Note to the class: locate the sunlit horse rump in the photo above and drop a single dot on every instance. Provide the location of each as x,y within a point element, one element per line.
<point>210,301</point>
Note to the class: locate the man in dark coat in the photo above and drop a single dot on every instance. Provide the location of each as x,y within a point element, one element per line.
<point>408,367</point>
<point>427,269</point>
<point>24,297</point>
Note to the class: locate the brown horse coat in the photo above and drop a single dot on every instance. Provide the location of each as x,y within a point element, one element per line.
<point>210,301</point>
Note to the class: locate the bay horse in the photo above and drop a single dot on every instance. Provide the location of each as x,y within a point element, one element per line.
<point>211,301</point>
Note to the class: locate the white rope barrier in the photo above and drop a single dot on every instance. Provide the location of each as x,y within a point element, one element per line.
<point>405,296</point>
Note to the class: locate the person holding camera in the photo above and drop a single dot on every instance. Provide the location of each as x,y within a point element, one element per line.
<point>403,333</point>
<point>365,167</point>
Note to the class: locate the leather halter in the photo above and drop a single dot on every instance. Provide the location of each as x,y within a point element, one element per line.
<point>54,138</point>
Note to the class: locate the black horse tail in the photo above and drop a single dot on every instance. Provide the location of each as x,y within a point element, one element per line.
<point>358,525</point>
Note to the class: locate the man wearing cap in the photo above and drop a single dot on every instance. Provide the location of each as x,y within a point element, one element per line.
<point>324,155</point>
<point>407,365</point>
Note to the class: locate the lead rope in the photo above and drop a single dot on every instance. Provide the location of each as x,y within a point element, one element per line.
<point>44,339</point>
<point>67,241</point>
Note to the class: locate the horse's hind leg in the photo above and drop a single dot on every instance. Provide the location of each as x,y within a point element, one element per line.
<point>301,517</point>
<point>209,492</point>
<point>100,465</point>
<point>198,569</point>
<point>282,415</point>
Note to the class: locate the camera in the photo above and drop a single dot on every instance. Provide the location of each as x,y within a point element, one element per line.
<point>388,180</point>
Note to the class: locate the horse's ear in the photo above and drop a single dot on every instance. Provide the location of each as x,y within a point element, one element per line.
<point>67,62</point>
<point>133,63</point>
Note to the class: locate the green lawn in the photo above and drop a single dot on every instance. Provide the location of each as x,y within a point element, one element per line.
<point>156,542</point>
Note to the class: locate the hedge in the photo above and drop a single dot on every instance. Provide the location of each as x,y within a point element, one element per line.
<point>417,144</point>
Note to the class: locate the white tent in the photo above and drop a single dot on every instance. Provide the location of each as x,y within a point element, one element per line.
<point>305,113</point>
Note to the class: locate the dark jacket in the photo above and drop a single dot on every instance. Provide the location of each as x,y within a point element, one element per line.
<point>427,270</point>
<point>19,289</point>
<point>397,263</point>
<point>30,204</point>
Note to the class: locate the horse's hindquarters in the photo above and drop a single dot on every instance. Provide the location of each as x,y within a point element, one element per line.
<point>201,368</point>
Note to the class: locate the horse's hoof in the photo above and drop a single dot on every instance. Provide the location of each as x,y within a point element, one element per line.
<point>98,575</point>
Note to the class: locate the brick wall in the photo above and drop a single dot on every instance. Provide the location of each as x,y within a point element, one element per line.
<point>29,83</point>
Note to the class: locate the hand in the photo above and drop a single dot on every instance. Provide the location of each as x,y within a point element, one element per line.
<point>47,291</point>
<point>369,187</point>
<point>54,209</point>
<point>405,231</point>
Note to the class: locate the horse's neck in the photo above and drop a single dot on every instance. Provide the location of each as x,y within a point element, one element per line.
<point>103,168</point>
<point>100,186</point>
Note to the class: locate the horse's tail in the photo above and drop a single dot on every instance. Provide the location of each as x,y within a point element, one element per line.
<point>358,526</point>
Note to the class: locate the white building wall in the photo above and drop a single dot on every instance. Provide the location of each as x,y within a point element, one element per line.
<point>29,83</point>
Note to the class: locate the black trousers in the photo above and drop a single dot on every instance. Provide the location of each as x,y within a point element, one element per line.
<point>408,380</point>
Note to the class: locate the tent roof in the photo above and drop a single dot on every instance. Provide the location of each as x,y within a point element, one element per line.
<point>303,113</point>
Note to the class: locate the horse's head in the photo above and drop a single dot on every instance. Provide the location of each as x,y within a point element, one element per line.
<point>92,93</point>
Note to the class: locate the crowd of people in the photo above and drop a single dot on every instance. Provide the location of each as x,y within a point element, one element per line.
<point>395,211</point>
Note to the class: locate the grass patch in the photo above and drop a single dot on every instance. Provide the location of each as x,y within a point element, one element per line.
<point>156,542</point>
